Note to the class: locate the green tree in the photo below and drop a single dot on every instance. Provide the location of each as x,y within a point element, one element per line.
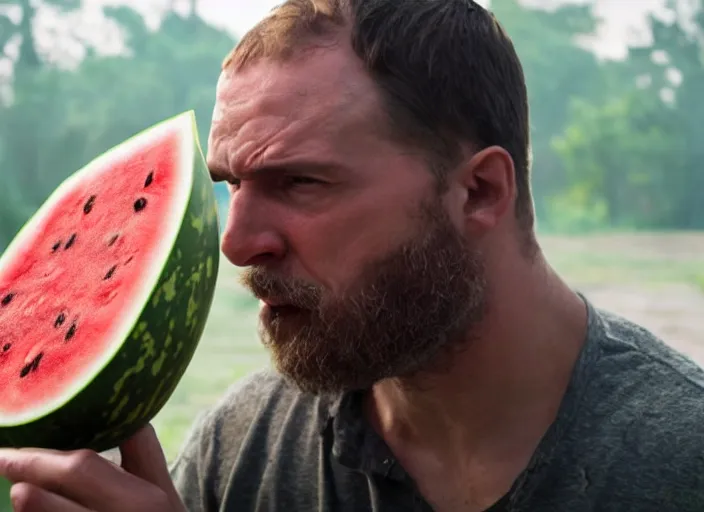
<point>635,159</point>
<point>29,57</point>
<point>613,156</point>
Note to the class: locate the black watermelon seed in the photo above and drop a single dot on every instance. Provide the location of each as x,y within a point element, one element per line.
<point>70,241</point>
<point>89,205</point>
<point>149,179</point>
<point>110,273</point>
<point>113,240</point>
<point>31,366</point>
<point>129,260</point>
<point>71,332</point>
<point>140,204</point>
<point>6,347</point>
<point>60,320</point>
<point>56,246</point>
<point>7,299</point>
<point>25,370</point>
<point>35,361</point>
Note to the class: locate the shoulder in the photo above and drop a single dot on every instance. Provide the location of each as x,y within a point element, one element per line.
<point>632,358</point>
<point>645,409</point>
<point>261,418</point>
<point>645,377</point>
<point>262,400</point>
<point>263,395</point>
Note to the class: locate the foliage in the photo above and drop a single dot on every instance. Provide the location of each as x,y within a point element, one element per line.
<point>636,156</point>
<point>614,159</point>
<point>29,56</point>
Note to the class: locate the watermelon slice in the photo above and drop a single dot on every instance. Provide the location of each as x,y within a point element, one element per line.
<point>105,292</point>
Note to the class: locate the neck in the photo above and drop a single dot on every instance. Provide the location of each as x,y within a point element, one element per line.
<point>501,392</point>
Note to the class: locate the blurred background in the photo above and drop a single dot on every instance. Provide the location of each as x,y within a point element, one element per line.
<point>617,99</point>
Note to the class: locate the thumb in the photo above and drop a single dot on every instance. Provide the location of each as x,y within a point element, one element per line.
<point>143,457</point>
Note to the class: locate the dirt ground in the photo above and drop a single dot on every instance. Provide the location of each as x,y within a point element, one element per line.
<point>671,246</point>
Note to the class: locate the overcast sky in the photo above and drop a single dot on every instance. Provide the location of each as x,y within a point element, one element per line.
<point>625,20</point>
<point>624,16</point>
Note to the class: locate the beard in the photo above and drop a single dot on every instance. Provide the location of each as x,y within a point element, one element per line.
<point>404,312</point>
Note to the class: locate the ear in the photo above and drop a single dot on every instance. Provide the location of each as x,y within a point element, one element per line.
<point>489,181</point>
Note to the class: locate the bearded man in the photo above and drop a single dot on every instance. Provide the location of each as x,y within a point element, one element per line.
<point>426,355</point>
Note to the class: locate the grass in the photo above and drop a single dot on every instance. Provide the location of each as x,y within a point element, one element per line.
<point>699,281</point>
<point>230,348</point>
<point>648,260</point>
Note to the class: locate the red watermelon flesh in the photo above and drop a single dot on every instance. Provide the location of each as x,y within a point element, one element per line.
<point>60,297</point>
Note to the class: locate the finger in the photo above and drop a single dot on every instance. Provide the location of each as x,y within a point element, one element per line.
<point>30,498</point>
<point>82,476</point>
<point>143,457</point>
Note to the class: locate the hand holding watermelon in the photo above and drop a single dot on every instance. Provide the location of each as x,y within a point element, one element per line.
<point>80,481</point>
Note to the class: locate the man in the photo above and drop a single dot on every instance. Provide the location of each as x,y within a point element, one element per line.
<point>427,357</point>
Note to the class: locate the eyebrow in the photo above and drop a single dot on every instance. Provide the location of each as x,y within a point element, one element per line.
<point>221,174</point>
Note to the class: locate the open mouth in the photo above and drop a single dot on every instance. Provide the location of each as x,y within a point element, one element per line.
<point>279,308</point>
<point>285,309</point>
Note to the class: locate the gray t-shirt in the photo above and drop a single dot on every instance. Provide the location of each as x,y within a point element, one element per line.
<point>629,436</point>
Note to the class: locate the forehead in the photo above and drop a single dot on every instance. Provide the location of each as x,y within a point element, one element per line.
<point>317,102</point>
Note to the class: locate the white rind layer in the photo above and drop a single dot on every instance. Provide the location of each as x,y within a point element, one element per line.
<point>183,124</point>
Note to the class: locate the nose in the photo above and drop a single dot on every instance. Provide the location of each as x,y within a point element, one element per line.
<point>250,236</point>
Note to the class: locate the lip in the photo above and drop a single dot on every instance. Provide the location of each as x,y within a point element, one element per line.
<point>273,303</point>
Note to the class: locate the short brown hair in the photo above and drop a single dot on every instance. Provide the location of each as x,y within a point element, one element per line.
<point>447,72</point>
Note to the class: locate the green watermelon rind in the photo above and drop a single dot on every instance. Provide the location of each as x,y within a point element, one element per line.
<point>141,373</point>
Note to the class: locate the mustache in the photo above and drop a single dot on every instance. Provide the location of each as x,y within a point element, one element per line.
<point>267,285</point>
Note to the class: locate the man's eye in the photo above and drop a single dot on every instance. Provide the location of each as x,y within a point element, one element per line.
<point>297,181</point>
